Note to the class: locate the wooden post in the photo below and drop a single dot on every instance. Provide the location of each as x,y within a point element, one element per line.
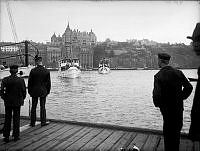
<point>26,53</point>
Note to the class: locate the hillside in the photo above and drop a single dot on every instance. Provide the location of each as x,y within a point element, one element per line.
<point>126,55</point>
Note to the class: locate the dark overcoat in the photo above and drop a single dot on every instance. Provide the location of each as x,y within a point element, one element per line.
<point>13,90</point>
<point>194,131</point>
<point>39,82</point>
<point>171,87</point>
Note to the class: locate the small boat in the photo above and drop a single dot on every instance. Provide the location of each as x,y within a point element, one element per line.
<point>104,67</point>
<point>69,68</point>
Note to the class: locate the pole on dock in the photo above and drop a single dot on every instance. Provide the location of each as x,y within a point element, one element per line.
<point>26,53</point>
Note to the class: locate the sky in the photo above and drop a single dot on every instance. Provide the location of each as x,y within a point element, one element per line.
<point>160,21</point>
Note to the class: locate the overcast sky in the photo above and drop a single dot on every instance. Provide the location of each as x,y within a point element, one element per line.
<point>160,21</point>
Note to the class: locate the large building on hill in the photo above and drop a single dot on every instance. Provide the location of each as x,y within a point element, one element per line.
<point>75,37</point>
<point>76,44</point>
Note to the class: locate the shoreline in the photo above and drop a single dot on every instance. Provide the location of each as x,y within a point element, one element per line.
<point>94,69</point>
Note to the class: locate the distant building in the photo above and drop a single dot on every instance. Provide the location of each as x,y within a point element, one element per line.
<point>10,54</point>
<point>11,48</point>
<point>53,55</point>
<point>74,36</point>
<point>76,44</point>
<point>15,54</point>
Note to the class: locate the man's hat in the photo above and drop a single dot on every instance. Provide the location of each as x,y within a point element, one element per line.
<point>14,67</point>
<point>196,34</point>
<point>196,39</point>
<point>164,56</point>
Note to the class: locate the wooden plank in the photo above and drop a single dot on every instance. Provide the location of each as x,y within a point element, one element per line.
<point>185,145</point>
<point>151,143</point>
<point>64,136</point>
<point>31,133</point>
<point>28,131</point>
<point>84,140</point>
<point>196,146</point>
<point>139,140</point>
<point>34,138</point>
<point>91,145</point>
<point>161,144</point>
<point>110,141</point>
<point>72,139</point>
<point>47,138</point>
<point>37,133</point>
<point>123,141</point>
<point>38,130</point>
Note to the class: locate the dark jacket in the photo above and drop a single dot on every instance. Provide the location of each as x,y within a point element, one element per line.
<point>171,87</point>
<point>39,82</point>
<point>13,90</point>
<point>196,101</point>
<point>194,131</point>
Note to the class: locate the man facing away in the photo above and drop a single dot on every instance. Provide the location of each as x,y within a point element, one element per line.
<point>171,87</point>
<point>39,85</point>
<point>13,92</point>
<point>194,131</point>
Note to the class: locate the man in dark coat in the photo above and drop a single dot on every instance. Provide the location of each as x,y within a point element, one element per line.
<point>39,85</point>
<point>194,131</point>
<point>171,87</point>
<point>13,92</point>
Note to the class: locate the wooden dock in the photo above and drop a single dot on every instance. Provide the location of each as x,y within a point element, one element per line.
<point>80,136</point>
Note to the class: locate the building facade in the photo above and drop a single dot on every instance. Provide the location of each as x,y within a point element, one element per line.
<point>15,54</point>
<point>53,55</point>
<point>76,44</point>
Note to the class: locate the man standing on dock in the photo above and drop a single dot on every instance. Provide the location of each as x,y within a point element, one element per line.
<point>13,92</point>
<point>39,85</point>
<point>171,87</point>
<point>194,131</point>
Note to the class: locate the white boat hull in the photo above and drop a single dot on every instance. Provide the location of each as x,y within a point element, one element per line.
<point>103,70</point>
<point>25,70</point>
<point>72,72</point>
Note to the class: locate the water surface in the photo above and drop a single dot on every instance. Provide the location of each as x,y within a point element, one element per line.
<point>122,97</point>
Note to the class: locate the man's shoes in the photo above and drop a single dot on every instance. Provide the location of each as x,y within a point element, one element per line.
<point>16,139</point>
<point>6,140</point>
<point>44,124</point>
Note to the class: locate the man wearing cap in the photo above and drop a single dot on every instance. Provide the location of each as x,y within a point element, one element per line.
<point>39,85</point>
<point>194,130</point>
<point>171,87</point>
<point>13,92</point>
<point>196,39</point>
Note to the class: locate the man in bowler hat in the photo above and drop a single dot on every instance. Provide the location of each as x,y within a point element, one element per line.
<point>39,85</point>
<point>13,92</point>
<point>194,130</point>
<point>171,87</point>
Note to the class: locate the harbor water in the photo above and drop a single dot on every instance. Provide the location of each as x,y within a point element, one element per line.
<point>122,97</point>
